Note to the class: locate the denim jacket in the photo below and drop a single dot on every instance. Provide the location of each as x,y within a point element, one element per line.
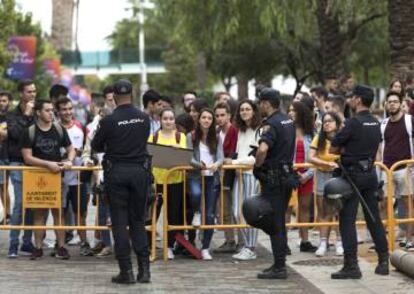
<point>307,140</point>
<point>196,162</point>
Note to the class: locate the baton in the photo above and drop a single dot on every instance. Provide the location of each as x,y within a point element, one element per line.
<point>356,190</point>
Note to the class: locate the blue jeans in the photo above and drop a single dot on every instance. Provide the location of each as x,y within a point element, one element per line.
<point>103,216</point>
<point>16,217</point>
<point>210,194</point>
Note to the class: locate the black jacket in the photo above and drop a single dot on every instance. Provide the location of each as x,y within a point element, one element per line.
<point>17,122</point>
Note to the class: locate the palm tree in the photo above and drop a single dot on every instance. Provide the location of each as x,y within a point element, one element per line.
<point>401,36</point>
<point>62,24</point>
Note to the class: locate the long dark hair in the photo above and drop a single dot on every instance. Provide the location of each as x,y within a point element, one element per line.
<point>256,119</point>
<point>304,118</point>
<point>322,134</point>
<point>393,81</point>
<point>211,140</point>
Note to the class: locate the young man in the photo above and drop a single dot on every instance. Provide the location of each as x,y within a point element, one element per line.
<point>221,97</point>
<point>188,98</point>
<point>41,147</point>
<point>320,95</point>
<point>166,102</point>
<point>5,101</point>
<point>79,204</point>
<point>17,121</point>
<point>108,93</point>
<point>331,85</point>
<point>336,104</point>
<point>103,243</point>
<point>228,135</point>
<point>397,144</point>
<point>152,107</point>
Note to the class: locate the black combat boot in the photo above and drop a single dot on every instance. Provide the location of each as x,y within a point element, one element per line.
<point>144,275</point>
<point>126,275</point>
<point>278,269</point>
<point>274,272</point>
<point>383,264</point>
<point>350,269</point>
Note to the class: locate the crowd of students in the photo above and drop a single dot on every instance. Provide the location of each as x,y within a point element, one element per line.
<point>45,133</point>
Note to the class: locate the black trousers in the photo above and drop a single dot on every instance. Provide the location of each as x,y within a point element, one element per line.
<point>367,184</point>
<point>279,197</point>
<point>127,187</point>
<point>175,208</point>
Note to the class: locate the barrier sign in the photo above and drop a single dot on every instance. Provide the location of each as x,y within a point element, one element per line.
<point>41,189</point>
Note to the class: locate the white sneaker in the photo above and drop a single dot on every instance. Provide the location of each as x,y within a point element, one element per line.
<point>196,219</point>
<point>321,250</point>
<point>245,254</point>
<point>170,254</point>
<point>206,254</point>
<point>339,249</point>
<point>75,241</point>
<point>48,243</point>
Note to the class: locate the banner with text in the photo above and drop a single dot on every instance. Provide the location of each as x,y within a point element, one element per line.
<point>23,51</point>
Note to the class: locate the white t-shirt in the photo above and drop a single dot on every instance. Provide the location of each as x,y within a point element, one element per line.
<point>90,132</point>
<point>207,158</point>
<point>222,135</point>
<point>76,137</point>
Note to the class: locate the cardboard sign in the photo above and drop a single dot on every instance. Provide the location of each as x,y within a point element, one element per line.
<point>42,189</point>
<point>168,156</point>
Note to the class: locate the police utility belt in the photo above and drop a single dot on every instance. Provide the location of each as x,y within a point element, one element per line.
<point>276,174</point>
<point>359,166</point>
<point>109,164</point>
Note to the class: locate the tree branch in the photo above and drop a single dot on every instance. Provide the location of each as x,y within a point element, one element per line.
<point>355,27</point>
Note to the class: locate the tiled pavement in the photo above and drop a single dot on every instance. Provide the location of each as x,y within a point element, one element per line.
<point>183,275</point>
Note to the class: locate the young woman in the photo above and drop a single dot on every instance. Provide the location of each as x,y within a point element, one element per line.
<point>168,136</point>
<point>405,106</point>
<point>397,86</point>
<point>247,121</point>
<point>207,158</point>
<point>195,109</point>
<point>320,156</point>
<point>302,116</point>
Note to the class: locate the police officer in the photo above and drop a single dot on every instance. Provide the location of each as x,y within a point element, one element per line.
<point>273,168</point>
<point>358,143</point>
<point>122,135</point>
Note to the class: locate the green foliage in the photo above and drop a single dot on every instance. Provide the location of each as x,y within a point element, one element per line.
<point>257,39</point>
<point>14,23</point>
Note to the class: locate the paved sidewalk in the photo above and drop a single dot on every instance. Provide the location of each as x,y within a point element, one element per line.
<point>183,275</point>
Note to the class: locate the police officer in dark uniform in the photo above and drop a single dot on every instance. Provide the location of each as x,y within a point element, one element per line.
<point>123,136</point>
<point>358,143</point>
<point>273,168</point>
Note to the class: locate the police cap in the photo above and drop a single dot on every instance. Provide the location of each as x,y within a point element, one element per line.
<point>269,94</point>
<point>122,87</point>
<point>362,91</point>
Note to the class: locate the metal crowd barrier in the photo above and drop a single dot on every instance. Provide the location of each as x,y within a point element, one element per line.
<point>390,222</point>
<point>88,227</point>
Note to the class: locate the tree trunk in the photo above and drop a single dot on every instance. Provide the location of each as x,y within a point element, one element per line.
<point>331,40</point>
<point>366,75</point>
<point>62,24</point>
<point>401,36</point>
<point>201,71</point>
<point>242,86</point>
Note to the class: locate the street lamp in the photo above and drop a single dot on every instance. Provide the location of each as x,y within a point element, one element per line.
<point>142,4</point>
